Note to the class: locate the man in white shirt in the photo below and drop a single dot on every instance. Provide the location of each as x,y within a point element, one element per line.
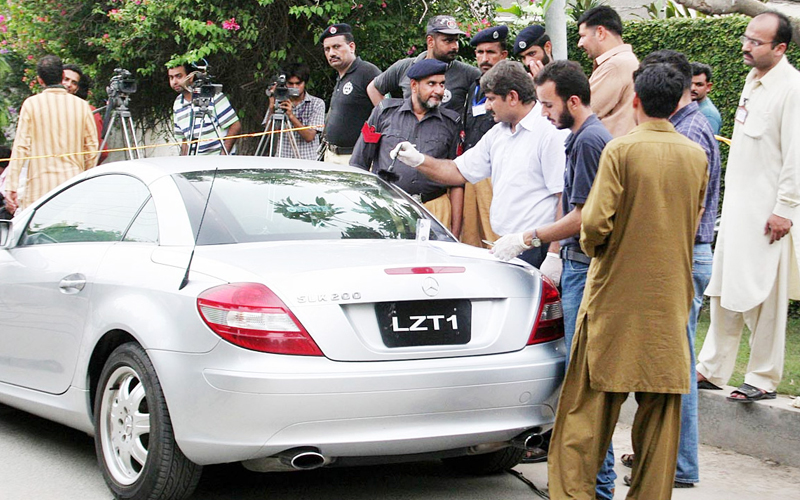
<point>753,276</point>
<point>524,157</point>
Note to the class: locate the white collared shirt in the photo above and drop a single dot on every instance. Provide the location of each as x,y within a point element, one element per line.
<point>527,171</point>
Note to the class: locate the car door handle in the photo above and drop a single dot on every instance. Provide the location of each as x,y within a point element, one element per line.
<point>73,283</point>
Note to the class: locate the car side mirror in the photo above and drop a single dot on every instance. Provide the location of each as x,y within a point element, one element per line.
<point>5,233</point>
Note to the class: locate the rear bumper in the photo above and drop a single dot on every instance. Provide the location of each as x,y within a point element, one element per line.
<point>232,405</point>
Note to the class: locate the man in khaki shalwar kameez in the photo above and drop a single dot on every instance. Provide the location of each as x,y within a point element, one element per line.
<point>639,224</point>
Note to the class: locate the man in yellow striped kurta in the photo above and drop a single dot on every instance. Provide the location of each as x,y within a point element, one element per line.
<point>51,123</point>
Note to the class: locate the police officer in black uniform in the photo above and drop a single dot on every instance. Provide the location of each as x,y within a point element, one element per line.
<point>420,120</point>
<point>533,48</point>
<point>350,105</point>
<point>490,47</point>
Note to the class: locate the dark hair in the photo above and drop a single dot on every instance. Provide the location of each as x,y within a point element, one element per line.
<point>5,153</point>
<point>784,32</point>
<point>539,42</point>
<point>604,16</point>
<point>674,59</point>
<point>569,79</point>
<point>185,67</point>
<point>506,76</point>
<point>84,82</point>
<point>699,68</point>
<point>659,87</point>
<point>299,70</point>
<point>50,70</point>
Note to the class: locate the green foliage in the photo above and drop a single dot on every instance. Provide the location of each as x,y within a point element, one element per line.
<point>576,8</point>
<point>671,10</point>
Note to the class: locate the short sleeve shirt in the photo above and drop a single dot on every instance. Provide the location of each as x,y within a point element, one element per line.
<point>435,135</point>
<point>182,120</point>
<point>583,150</point>
<point>350,104</point>
<point>310,112</point>
<point>711,113</point>
<point>527,171</point>
<point>458,77</point>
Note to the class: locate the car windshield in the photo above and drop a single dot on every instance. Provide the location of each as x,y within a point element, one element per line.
<point>292,204</point>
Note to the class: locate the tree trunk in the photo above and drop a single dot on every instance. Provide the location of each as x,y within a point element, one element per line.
<point>750,8</point>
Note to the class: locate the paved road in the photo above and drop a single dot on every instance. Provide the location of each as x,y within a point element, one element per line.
<point>39,459</point>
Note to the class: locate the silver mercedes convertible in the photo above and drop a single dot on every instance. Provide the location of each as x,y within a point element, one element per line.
<point>284,314</point>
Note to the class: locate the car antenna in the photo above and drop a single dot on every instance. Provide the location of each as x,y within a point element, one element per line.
<point>185,280</point>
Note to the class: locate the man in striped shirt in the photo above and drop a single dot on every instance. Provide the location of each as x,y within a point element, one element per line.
<point>222,112</point>
<point>51,124</point>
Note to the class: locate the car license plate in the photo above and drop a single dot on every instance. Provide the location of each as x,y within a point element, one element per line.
<point>425,322</point>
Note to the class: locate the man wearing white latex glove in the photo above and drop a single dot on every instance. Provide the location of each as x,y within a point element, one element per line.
<point>523,155</point>
<point>397,124</point>
<point>408,154</point>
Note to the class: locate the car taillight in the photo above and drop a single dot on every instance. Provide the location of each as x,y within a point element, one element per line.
<point>250,315</point>
<point>550,324</point>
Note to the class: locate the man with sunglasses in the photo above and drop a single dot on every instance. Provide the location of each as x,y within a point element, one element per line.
<point>753,276</point>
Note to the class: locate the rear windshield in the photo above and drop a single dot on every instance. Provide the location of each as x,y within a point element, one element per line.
<point>275,205</point>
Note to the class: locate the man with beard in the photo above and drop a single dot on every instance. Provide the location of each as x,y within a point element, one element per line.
<point>490,48</point>
<point>442,45</point>
<point>600,31</point>
<point>420,120</point>
<point>563,91</point>
<point>523,155</point>
<point>349,102</point>
<point>534,48</point>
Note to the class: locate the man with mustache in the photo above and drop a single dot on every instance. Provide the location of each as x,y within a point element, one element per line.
<point>350,103</point>
<point>523,155</point>
<point>421,120</point>
<point>490,48</point>
<point>534,48</point>
<point>701,86</point>
<point>600,31</point>
<point>753,275</point>
<point>442,44</point>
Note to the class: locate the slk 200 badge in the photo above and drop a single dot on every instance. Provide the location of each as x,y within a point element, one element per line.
<point>327,297</point>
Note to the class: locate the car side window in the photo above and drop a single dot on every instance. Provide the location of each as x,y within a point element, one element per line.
<point>145,227</point>
<point>97,209</point>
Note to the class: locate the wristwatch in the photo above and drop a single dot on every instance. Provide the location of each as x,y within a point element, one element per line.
<point>535,241</point>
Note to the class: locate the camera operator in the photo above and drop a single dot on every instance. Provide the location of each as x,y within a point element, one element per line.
<point>180,80</point>
<point>301,109</point>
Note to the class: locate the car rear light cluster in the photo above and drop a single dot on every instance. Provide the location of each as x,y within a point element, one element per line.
<point>550,324</point>
<point>250,315</point>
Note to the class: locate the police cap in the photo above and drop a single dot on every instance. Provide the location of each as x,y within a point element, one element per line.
<point>493,34</point>
<point>335,30</point>
<point>445,25</point>
<point>528,37</point>
<point>425,68</point>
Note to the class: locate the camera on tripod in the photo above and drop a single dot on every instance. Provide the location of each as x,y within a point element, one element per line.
<point>203,86</point>
<point>281,92</point>
<point>122,82</point>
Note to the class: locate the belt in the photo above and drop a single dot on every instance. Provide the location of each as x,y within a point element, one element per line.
<point>567,253</point>
<point>339,150</point>
<point>426,197</point>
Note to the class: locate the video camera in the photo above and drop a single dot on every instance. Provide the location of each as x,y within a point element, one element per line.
<point>202,86</point>
<point>122,82</point>
<point>282,92</point>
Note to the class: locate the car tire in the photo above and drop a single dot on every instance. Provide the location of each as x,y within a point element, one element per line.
<point>134,441</point>
<point>486,463</point>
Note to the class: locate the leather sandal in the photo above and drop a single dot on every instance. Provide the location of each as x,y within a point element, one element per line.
<point>750,394</point>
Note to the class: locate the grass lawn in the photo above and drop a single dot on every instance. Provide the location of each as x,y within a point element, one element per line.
<point>791,367</point>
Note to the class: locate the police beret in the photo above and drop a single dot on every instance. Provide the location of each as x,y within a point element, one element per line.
<point>493,34</point>
<point>425,68</point>
<point>527,37</point>
<point>445,25</point>
<point>335,30</point>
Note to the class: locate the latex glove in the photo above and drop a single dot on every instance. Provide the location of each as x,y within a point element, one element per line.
<point>509,246</point>
<point>408,154</point>
<point>552,267</point>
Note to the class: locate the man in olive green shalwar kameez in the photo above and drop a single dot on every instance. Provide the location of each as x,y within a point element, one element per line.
<point>639,224</point>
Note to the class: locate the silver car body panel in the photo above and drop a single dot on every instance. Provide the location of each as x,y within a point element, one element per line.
<point>228,403</point>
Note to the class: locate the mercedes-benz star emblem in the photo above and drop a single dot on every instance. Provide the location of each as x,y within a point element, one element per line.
<point>431,287</point>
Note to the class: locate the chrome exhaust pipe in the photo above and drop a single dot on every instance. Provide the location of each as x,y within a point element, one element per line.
<point>302,458</point>
<point>528,440</point>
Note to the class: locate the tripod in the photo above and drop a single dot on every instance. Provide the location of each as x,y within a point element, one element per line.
<point>117,107</point>
<point>202,108</point>
<point>279,123</point>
